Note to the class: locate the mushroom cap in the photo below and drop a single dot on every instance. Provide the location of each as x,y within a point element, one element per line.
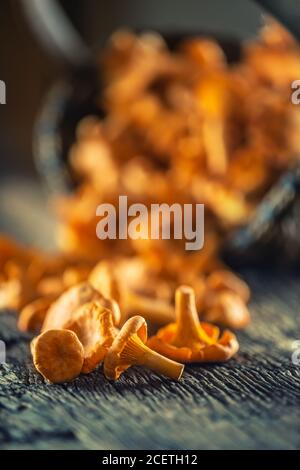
<point>58,355</point>
<point>94,327</point>
<point>104,279</point>
<point>228,309</point>
<point>221,349</point>
<point>61,311</point>
<point>113,365</point>
<point>223,279</point>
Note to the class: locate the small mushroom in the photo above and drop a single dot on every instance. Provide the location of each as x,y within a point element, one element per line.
<point>154,310</point>
<point>129,349</point>
<point>57,355</point>
<point>16,288</point>
<point>188,340</point>
<point>63,308</point>
<point>228,309</point>
<point>94,327</point>
<point>221,279</point>
<point>33,314</point>
<point>105,279</point>
<point>225,300</point>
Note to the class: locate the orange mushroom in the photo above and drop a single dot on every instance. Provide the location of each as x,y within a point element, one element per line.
<point>225,300</point>
<point>57,355</point>
<point>63,308</point>
<point>33,315</point>
<point>16,288</point>
<point>221,279</point>
<point>106,279</point>
<point>188,340</point>
<point>154,310</point>
<point>129,349</point>
<point>228,309</point>
<point>94,327</point>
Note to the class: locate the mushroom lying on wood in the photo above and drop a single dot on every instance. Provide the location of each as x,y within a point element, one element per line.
<point>94,327</point>
<point>57,355</point>
<point>188,339</point>
<point>129,349</point>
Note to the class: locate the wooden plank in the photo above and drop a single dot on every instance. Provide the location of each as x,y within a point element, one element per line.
<point>251,402</point>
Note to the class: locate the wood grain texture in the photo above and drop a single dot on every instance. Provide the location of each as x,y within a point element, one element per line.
<point>251,402</point>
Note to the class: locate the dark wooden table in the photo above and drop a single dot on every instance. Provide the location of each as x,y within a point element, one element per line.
<point>251,402</point>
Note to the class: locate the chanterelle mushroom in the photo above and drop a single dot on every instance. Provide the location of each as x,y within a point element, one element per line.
<point>223,279</point>
<point>57,355</point>
<point>94,326</point>
<point>228,309</point>
<point>189,340</point>
<point>33,315</point>
<point>129,349</point>
<point>105,279</point>
<point>63,309</point>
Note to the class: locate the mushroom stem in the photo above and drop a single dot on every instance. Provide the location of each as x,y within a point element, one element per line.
<point>154,310</point>
<point>189,330</point>
<point>144,356</point>
<point>163,365</point>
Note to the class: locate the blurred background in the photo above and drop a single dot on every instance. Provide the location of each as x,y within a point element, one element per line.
<point>30,64</point>
<point>29,68</point>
